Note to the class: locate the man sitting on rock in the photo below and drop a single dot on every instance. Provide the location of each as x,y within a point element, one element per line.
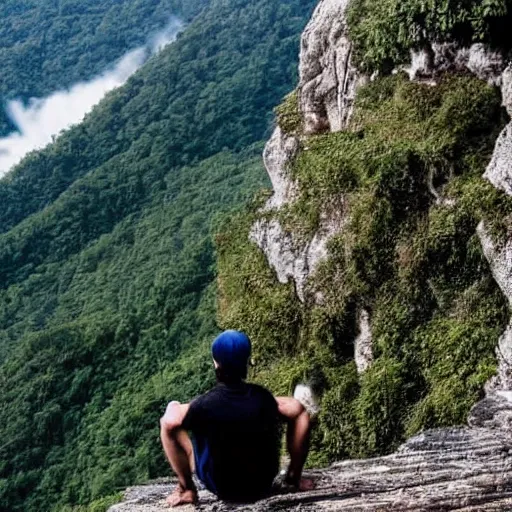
<point>236,432</point>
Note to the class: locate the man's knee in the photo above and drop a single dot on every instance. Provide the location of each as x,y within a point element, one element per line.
<point>171,420</point>
<point>289,407</point>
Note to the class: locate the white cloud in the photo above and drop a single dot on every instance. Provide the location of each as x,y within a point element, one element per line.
<point>42,119</point>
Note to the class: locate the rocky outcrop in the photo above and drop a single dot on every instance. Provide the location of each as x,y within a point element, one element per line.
<point>493,412</point>
<point>506,88</point>
<point>279,151</point>
<point>500,260</point>
<point>328,83</point>
<point>291,257</point>
<point>464,469</point>
<point>433,61</point>
<point>499,252</point>
<point>499,171</point>
<point>363,348</point>
<point>328,76</point>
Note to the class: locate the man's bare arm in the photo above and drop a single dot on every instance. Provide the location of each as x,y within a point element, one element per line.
<point>173,417</point>
<point>297,439</point>
<point>179,452</point>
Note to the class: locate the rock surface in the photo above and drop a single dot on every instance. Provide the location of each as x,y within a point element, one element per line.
<point>291,257</point>
<point>363,347</point>
<point>499,171</point>
<point>328,77</point>
<point>499,252</point>
<point>432,62</point>
<point>328,83</point>
<point>506,88</point>
<point>279,152</point>
<point>465,469</point>
<point>500,260</point>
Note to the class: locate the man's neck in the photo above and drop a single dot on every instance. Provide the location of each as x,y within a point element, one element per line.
<point>232,383</point>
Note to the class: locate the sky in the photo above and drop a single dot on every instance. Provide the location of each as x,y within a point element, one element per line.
<point>42,119</point>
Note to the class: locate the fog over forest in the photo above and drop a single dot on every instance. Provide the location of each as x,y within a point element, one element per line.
<point>42,119</point>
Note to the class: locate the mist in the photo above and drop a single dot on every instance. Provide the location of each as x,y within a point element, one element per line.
<point>42,119</point>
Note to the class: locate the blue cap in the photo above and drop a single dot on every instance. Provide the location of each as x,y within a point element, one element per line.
<point>232,350</point>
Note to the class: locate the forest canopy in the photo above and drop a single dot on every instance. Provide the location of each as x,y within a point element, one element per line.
<point>107,296</point>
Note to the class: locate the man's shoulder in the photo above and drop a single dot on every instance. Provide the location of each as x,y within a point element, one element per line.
<point>222,393</point>
<point>207,397</point>
<point>202,404</point>
<point>257,388</point>
<point>263,393</point>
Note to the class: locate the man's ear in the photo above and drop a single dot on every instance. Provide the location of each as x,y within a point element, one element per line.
<point>215,364</point>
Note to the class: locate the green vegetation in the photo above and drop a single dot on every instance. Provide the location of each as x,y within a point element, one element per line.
<point>408,177</point>
<point>102,339</point>
<point>288,114</point>
<point>101,505</point>
<point>189,103</point>
<point>107,296</point>
<point>384,32</point>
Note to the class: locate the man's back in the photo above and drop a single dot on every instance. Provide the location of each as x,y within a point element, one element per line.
<point>236,430</point>
<point>237,438</point>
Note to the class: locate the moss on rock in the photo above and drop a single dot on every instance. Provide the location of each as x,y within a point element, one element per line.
<point>288,114</point>
<point>384,32</point>
<point>408,177</point>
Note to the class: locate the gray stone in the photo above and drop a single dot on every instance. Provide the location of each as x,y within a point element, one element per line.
<point>493,412</point>
<point>506,89</point>
<point>431,62</point>
<point>499,252</point>
<point>290,256</point>
<point>500,261</point>
<point>328,82</point>
<point>499,171</point>
<point>363,349</point>
<point>328,77</point>
<point>464,469</point>
<point>279,152</point>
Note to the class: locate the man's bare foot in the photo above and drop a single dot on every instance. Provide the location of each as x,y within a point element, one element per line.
<point>286,484</point>
<point>306,484</point>
<point>181,496</point>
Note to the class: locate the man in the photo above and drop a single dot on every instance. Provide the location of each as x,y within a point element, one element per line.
<point>236,433</point>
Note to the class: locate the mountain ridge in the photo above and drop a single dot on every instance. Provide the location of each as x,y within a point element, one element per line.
<point>107,301</point>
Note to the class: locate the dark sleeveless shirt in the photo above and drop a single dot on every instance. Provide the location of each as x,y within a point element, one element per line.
<point>236,434</point>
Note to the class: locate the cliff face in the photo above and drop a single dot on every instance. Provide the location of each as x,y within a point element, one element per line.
<point>328,77</point>
<point>329,80</point>
<point>498,250</point>
<point>326,93</point>
<point>387,232</point>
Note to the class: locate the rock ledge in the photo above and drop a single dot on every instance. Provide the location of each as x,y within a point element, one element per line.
<point>465,469</point>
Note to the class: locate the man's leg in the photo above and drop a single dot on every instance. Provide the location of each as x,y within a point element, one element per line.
<point>180,454</point>
<point>297,440</point>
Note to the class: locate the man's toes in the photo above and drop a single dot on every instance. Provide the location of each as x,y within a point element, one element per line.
<point>307,484</point>
<point>179,497</point>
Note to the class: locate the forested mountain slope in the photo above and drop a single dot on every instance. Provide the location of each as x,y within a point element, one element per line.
<point>214,89</point>
<point>107,298</point>
<point>46,46</point>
